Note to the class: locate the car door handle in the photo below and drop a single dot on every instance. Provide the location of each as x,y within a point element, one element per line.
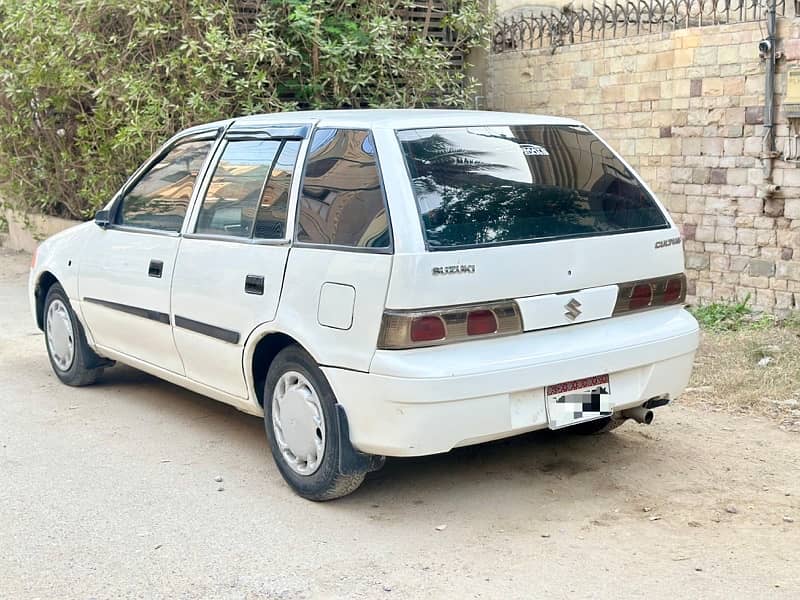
<point>155,269</point>
<point>254,284</point>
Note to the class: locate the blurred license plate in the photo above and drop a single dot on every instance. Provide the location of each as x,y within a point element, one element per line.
<point>577,401</point>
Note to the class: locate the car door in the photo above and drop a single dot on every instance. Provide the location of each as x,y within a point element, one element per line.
<point>230,266</point>
<point>127,267</point>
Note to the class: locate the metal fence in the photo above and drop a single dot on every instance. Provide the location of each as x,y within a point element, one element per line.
<point>608,21</point>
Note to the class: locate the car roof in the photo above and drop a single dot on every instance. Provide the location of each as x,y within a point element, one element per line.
<point>402,118</point>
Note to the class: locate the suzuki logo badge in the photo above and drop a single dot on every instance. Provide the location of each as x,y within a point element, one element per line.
<point>573,309</point>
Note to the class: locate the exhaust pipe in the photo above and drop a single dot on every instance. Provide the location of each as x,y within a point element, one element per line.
<point>639,414</point>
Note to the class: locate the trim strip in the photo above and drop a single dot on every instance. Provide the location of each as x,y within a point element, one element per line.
<point>226,335</point>
<point>145,313</point>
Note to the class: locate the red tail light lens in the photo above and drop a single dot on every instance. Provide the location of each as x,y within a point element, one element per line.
<point>653,293</point>
<point>403,329</point>
<point>427,329</point>
<point>673,290</point>
<point>481,322</point>
<point>641,297</point>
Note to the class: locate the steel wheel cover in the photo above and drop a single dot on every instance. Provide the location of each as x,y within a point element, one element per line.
<point>298,423</point>
<point>60,335</point>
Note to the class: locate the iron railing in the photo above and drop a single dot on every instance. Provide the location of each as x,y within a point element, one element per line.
<point>607,21</point>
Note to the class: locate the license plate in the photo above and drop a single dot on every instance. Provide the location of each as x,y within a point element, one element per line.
<point>577,401</point>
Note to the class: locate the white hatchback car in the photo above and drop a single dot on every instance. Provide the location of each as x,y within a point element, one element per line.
<point>380,283</point>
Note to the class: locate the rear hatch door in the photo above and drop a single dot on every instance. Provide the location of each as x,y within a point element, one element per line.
<point>544,214</point>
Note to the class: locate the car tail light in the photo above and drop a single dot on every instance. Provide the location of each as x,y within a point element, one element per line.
<point>674,290</point>
<point>427,329</point>
<point>481,322</point>
<point>641,296</point>
<point>651,293</point>
<point>432,327</point>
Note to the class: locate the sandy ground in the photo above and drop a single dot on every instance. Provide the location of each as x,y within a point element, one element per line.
<point>109,492</point>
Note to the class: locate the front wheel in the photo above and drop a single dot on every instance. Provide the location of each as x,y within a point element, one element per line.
<point>70,356</point>
<point>303,428</point>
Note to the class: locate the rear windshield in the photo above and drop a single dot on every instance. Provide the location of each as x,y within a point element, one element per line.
<point>479,186</point>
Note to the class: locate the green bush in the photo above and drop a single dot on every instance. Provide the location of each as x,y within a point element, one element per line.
<point>89,88</point>
<point>730,316</point>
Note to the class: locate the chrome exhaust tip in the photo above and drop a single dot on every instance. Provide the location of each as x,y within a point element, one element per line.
<point>639,414</point>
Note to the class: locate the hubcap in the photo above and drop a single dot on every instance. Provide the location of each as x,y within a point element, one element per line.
<point>298,422</point>
<point>60,336</point>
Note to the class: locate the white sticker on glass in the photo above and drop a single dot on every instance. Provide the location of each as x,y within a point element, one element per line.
<point>533,150</point>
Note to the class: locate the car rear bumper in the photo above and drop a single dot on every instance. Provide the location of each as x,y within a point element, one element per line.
<point>427,401</point>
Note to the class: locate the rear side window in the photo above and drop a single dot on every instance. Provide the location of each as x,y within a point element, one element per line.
<point>480,186</point>
<point>234,194</point>
<point>159,199</point>
<point>249,192</point>
<point>342,200</point>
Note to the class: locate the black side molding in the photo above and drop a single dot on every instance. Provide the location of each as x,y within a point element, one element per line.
<point>145,313</point>
<point>226,335</point>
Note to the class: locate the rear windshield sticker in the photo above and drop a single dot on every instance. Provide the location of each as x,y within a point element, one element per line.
<point>533,150</point>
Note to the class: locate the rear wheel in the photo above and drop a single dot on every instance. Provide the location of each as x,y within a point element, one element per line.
<point>597,426</point>
<point>303,428</point>
<point>70,355</point>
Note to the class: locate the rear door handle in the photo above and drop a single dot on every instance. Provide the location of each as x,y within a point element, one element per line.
<point>155,269</point>
<point>254,284</point>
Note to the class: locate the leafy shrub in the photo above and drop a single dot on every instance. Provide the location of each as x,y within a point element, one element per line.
<point>89,88</point>
<point>730,316</point>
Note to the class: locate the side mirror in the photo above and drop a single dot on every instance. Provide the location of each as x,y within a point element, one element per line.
<point>102,218</point>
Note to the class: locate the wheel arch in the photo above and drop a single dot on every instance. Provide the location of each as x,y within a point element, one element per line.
<point>45,281</point>
<point>262,350</point>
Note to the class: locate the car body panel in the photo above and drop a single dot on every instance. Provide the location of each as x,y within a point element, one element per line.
<point>307,271</point>
<point>115,285</point>
<point>209,288</point>
<point>524,270</point>
<point>428,400</point>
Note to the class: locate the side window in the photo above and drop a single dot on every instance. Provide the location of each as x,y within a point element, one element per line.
<point>160,198</point>
<point>274,206</point>
<point>341,202</point>
<point>234,194</point>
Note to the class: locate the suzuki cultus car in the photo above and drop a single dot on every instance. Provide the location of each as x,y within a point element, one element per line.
<point>380,283</point>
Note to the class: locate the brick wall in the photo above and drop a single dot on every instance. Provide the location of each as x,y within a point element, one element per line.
<point>685,109</point>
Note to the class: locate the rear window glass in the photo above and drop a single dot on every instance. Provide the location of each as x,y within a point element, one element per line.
<point>492,185</point>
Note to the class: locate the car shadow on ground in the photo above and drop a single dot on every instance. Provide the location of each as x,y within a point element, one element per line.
<point>539,461</point>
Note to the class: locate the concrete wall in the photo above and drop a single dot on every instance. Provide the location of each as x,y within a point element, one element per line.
<point>26,231</point>
<point>685,108</point>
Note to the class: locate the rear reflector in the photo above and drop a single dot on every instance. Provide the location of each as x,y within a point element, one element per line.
<point>652,293</point>
<point>427,329</point>
<point>432,327</point>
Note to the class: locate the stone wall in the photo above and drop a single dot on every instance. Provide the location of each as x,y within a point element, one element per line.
<point>685,109</point>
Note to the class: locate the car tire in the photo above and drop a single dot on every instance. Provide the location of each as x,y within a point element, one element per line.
<point>597,426</point>
<point>70,356</point>
<point>303,428</point>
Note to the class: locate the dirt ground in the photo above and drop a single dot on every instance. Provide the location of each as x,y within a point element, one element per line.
<point>110,491</point>
<point>750,372</point>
